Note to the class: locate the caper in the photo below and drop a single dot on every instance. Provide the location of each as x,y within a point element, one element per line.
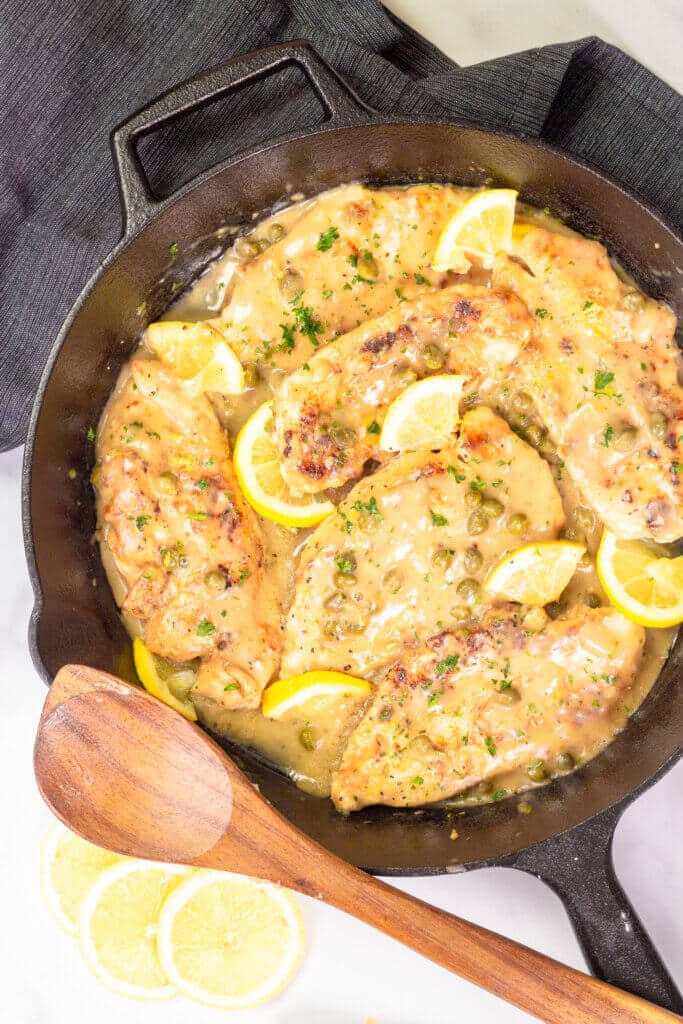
<point>626,439</point>
<point>169,559</point>
<point>443,558</point>
<point>343,437</point>
<point>510,695</point>
<point>216,580</point>
<point>332,629</point>
<point>659,425</point>
<point>251,375</point>
<point>492,508</point>
<point>477,523</point>
<point>518,523</point>
<point>335,601</point>
<point>367,266</point>
<point>246,248</point>
<point>534,434</point>
<point>291,284</point>
<point>555,608</point>
<point>592,599</point>
<point>168,483</point>
<point>537,771</point>
<point>344,579</point>
<point>472,499</point>
<point>460,612</point>
<point>404,375</point>
<point>469,591</point>
<point>473,560</point>
<point>566,761</point>
<point>393,580</point>
<point>634,302</point>
<point>522,403</point>
<point>584,518</point>
<point>433,357</point>
<point>275,232</point>
<point>535,619</point>
<point>307,738</point>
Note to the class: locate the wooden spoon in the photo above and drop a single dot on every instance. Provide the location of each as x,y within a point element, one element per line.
<point>126,772</point>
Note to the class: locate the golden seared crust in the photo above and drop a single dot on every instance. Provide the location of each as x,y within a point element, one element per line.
<point>323,413</point>
<point>603,373</point>
<point>471,704</point>
<point>173,514</point>
<point>406,535</point>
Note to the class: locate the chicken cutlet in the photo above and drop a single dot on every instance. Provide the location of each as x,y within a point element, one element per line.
<point>328,415</point>
<point>350,256</point>
<point>405,553</point>
<point>602,373</point>
<point>472,703</point>
<point>185,542</point>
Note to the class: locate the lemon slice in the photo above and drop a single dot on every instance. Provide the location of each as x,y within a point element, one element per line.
<point>641,581</point>
<point>148,666</point>
<point>258,473</point>
<point>285,694</point>
<point>199,354</point>
<point>118,927</point>
<point>481,227</point>
<point>535,574</point>
<point>68,867</point>
<point>425,415</point>
<point>229,941</point>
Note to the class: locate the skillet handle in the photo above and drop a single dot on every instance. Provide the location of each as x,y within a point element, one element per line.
<point>341,104</point>
<point>579,866</point>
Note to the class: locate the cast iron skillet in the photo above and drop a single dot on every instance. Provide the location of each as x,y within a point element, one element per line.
<point>567,839</point>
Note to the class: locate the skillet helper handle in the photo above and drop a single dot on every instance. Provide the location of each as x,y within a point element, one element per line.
<point>579,866</point>
<point>341,104</point>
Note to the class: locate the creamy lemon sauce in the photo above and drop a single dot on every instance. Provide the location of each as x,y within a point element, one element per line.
<point>307,744</point>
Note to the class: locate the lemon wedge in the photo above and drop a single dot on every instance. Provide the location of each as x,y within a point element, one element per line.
<point>535,574</point>
<point>169,686</point>
<point>481,227</point>
<point>641,581</point>
<point>118,927</point>
<point>425,415</point>
<point>286,694</point>
<point>229,941</point>
<point>199,354</point>
<point>258,473</point>
<point>68,867</point>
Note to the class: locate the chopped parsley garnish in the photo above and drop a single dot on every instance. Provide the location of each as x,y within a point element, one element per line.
<point>490,746</point>
<point>345,563</point>
<point>305,367</point>
<point>448,664</point>
<point>437,518</point>
<point>417,781</point>
<point>399,295</point>
<point>459,477</point>
<point>327,239</point>
<point>91,434</point>
<point>420,279</point>
<point>327,293</point>
<point>153,434</point>
<point>643,367</point>
<point>206,628</point>
<point>607,436</point>
<point>231,686</point>
<point>587,304</point>
<point>203,485</point>
<point>542,313</point>
<point>602,379</point>
<point>244,575</point>
<point>288,342</point>
<point>499,794</point>
<point>367,506</point>
<point>307,323</point>
<point>676,468</point>
<point>141,522</point>
<point>477,484</point>
<point>374,427</point>
<point>173,248</point>
<point>199,516</point>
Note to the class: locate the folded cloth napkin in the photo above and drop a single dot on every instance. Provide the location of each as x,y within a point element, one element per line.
<point>72,69</point>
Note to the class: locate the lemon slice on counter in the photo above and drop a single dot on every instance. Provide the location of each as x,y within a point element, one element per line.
<point>118,927</point>
<point>198,353</point>
<point>258,472</point>
<point>68,866</point>
<point>535,574</point>
<point>286,694</point>
<point>425,415</point>
<point>229,941</point>
<point>641,581</point>
<point>481,227</point>
<point>171,687</point>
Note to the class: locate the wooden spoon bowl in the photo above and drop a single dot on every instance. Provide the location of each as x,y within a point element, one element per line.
<point>126,772</point>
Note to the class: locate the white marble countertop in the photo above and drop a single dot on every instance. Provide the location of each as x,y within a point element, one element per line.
<point>350,973</point>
